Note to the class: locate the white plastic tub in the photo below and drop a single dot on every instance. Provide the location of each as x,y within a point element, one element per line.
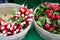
<point>7,7</point>
<point>45,34</point>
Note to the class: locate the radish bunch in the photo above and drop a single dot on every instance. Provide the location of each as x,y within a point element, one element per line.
<point>48,17</point>
<point>22,18</point>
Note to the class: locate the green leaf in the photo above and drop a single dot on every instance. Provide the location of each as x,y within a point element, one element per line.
<point>40,10</point>
<point>41,5</point>
<point>42,18</point>
<point>48,20</point>
<point>14,10</point>
<point>44,7</point>
<point>55,13</point>
<point>58,23</point>
<point>38,13</point>
<point>12,19</point>
<point>19,20</point>
<point>58,31</point>
<point>53,31</point>
<point>39,23</point>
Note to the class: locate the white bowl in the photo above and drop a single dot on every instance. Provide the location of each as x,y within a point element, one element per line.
<point>3,9</point>
<point>45,34</point>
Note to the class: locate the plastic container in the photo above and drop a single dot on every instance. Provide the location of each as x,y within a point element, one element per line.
<point>45,34</point>
<point>6,8</point>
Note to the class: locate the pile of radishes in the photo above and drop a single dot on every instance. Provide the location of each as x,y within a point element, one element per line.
<point>50,13</point>
<point>53,8</point>
<point>23,17</point>
<point>48,17</point>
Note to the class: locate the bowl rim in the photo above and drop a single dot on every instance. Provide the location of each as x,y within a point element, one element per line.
<point>9,5</point>
<point>21,33</point>
<point>51,34</point>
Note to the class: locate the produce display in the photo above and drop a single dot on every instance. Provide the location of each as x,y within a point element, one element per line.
<point>47,16</point>
<point>20,19</point>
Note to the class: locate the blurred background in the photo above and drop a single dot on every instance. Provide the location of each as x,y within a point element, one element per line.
<point>29,3</point>
<point>32,34</point>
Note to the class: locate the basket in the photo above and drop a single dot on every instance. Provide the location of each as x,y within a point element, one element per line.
<point>7,8</point>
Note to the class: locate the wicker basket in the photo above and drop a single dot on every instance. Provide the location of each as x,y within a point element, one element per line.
<point>43,33</point>
<point>6,8</point>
